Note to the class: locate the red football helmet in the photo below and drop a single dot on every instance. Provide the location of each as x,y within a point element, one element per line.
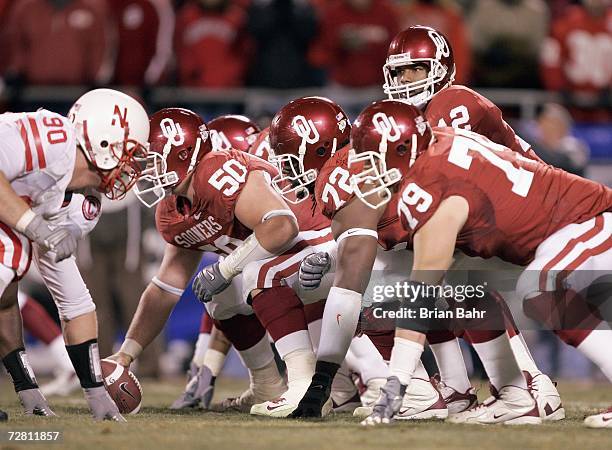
<point>232,131</point>
<point>303,135</point>
<point>261,146</point>
<point>386,138</point>
<point>178,140</point>
<point>416,45</point>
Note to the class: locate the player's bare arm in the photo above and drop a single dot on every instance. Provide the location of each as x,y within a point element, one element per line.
<point>256,203</point>
<point>434,243</point>
<point>157,301</point>
<point>356,250</point>
<point>12,207</point>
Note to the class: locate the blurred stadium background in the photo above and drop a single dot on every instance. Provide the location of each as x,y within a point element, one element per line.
<point>547,64</point>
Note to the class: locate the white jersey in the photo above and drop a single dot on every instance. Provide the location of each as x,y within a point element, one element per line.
<point>37,156</point>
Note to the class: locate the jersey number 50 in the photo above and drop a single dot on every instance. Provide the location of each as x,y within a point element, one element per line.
<point>231,174</point>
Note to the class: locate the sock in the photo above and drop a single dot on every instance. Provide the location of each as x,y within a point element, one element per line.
<point>366,360</point>
<point>593,347</point>
<point>451,364</point>
<point>499,362</point>
<point>86,361</point>
<point>314,317</point>
<point>258,355</point>
<point>266,382</point>
<point>38,322</point>
<point>405,357</point>
<point>339,324</point>
<point>57,349</point>
<point>300,366</point>
<point>214,360</point>
<point>342,384</point>
<point>22,375</point>
<point>523,356</point>
<point>420,371</point>
<point>201,348</point>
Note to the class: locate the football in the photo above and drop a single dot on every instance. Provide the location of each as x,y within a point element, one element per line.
<point>123,386</point>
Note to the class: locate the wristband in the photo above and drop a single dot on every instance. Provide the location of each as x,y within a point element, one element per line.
<point>25,220</point>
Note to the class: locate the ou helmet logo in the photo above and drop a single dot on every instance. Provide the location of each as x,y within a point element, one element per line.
<point>386,126</point>
<point>219,140</point>
<point>172,131</point>
<point>442,48</point>
<point>306,129</point>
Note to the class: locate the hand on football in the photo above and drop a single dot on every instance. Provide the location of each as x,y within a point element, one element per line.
<point>121,358</point>
<point>312,270</point>
<point>209,282</point>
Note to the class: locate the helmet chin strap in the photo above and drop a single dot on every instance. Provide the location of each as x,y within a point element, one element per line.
<point>194,156</point>
<point>413,150</point>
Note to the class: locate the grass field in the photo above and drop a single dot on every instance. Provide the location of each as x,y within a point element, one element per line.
<point>155,427</point>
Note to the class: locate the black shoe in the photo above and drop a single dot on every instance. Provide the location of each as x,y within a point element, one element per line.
<point>315,397</point>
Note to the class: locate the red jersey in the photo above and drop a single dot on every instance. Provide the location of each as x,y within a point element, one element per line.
<point>333,191</point>
<point>460,107</point>
<point>577,54</point>
<point>209,224</point>
<point>514,203</point>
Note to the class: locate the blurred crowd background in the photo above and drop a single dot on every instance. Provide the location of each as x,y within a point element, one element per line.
<point>547,64</point>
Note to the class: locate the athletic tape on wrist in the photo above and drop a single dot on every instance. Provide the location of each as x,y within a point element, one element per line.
<point>131,348</point>
<point>357,232</point>
<point>250,250</point>
<point>25,220</point>
<point>166,287</point>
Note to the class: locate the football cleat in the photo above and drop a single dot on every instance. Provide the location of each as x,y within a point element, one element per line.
<point>288,402</point>
<point>316,398</point>
<point>242,403</point>
<point>422,401</point>
<point>456,401</point>
<point>511,406</point>
<point>601,420</point>
<point>547,397</point>
<point>34,403</point>
<point>388,404</point>
<point>65,383</point>
<point>344,394</point>
<point>198,391</point>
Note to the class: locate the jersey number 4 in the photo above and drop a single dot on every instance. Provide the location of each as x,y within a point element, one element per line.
<point>232,174</point>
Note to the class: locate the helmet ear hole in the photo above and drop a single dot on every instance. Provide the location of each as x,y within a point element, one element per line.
<point>401,150</point>
<point>321,151</point>
<point>104,144</point>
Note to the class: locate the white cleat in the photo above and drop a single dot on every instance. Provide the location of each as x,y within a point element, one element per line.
<point>344,393</point>
<point>601,420</point>
<point>456,401</point>
<point>511,406</point>
<point>286,402</point>
<point>369,397</point>
<point>422,401</point>
<point>242,403</point>
<point>65,383</point>
<point>546,396</point>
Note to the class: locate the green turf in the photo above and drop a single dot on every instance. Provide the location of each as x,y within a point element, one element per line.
<point>157,428</point>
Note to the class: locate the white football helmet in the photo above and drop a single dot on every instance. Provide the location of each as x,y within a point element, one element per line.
<point>112,130</point>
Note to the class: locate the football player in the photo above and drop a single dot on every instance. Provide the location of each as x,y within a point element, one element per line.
<point>42,156</point>
<point>463,191</point>
<point>420,69</point>
<point>220,201</point>
<point>226,132</point>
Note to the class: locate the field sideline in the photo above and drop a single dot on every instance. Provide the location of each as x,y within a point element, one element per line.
<point>158,428</point>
